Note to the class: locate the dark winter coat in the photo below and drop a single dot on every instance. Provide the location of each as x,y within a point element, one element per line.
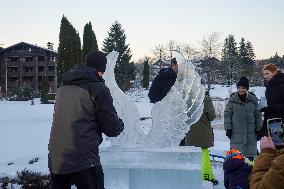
<point>201,133</point>
<point>275,100</point>
<point>162,84</point>
<point>244,120</point>
<point>83,111</point>
<point>236,174</point>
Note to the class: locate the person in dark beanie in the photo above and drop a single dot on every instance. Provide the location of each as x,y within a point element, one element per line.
<point>244,82</point>
<point>242,120</point>
<point>163,82</point>
<point>274,93</point>
<point>97,60</point>
<point>83,111</point>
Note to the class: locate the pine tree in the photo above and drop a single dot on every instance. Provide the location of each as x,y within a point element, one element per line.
<point>69,49</point>
<point>89,40</point>
<point>277,60</point>
<point>243,53</point>
<point>245,63</point>
<point>250,50</point>
<point>131,71</point>
<point>116,41</point>
<point>146,75</point>
<point>44,90</point>
<point>230,58</point>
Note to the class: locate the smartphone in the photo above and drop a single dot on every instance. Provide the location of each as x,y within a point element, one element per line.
<point>275,130</point>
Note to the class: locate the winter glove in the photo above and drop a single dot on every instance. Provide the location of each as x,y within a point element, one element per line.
<point>266,109</point>
<point>258,135</point>
<point>229,133</point>
<point>120,126</point>
<point>266,142</point>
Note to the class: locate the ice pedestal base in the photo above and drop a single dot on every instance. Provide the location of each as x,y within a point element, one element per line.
<point>168,168</point>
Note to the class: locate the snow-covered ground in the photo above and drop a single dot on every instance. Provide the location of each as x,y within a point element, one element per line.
<point>25,128</point>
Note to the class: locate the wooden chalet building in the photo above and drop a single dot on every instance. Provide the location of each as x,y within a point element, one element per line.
<point>27,63</point>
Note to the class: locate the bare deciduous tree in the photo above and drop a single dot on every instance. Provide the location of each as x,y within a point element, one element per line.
<point>189,51</point>
<point>210,48</point>
<point>211,45</point>
<point>160,51</point>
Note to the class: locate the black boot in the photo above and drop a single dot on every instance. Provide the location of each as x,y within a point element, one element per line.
<point>214,181</point>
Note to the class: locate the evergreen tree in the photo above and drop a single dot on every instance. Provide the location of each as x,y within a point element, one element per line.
<point>116,41</point>
<point>44,90</point>
<point>131,71</point>
<point>231,59</point>
<point>89,40</point>
<point>250,50</point>
<point>246,62</point>
<point>146,75</point>
<point>69,48</point>
<point>243,53</point>
<point>277,60</point>
<point>21,92</point>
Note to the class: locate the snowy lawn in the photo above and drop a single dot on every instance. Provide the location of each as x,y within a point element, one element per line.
<point>25,128</point>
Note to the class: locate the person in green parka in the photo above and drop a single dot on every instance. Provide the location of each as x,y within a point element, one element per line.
<point>201,135</point>
<point>242,120</point>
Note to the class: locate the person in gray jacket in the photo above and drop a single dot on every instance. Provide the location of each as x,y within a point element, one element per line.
<point>83,111</point>
<point>242,120</point>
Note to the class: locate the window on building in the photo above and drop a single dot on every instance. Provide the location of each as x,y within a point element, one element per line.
<point>41,58</point>
<point>41,69</point>
<point>28,69</point>
<point>28,59</point>
<point>51,58</point>
<point>50,78</point>
<point>13,59</point>
<point>51,68</point>
<point>19,47</point>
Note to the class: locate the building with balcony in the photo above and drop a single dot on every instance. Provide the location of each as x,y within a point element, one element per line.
<point>26,63</point>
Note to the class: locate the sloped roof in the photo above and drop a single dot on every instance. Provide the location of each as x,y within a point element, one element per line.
<point>34,46</point>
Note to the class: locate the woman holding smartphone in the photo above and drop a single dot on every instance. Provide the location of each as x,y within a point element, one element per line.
<point>274,83</point>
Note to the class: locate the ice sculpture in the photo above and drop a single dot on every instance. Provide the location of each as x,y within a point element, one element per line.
<point>125,108</point>
<point>155,161</point>
<point>172,116</point>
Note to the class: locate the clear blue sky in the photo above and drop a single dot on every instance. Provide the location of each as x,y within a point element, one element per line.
<point>148,22</point>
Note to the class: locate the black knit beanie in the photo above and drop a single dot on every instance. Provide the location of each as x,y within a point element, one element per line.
<point>96,59</point>
<point>244,82</point>
<point>174,61</point>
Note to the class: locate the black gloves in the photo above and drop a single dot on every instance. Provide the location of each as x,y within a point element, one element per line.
<point>266,109</point>
<point>258,135</point>
<point>229,133</point>
<point>121,125</point>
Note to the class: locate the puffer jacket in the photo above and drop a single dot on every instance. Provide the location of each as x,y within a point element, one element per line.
<point>83,111</point>
<point>201,133</point>
<point>236,174</point>
<point>162,84</point>
<point>244,120</point>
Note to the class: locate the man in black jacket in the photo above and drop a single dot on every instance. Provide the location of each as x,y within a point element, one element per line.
<point>83,111</point>
<point>163,82</point>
